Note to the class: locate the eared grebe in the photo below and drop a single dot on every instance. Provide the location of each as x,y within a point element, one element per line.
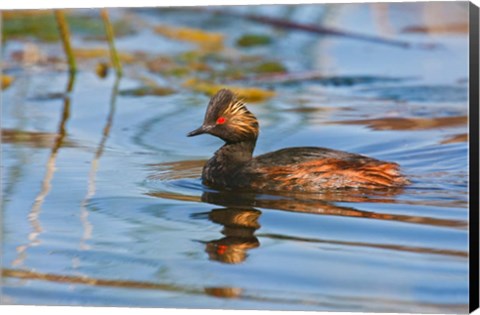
<point>301,169</point>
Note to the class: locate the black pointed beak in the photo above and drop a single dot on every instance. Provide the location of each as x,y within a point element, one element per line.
<point>199,131</point>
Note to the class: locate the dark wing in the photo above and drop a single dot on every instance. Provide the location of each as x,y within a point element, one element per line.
<point>291,156</point>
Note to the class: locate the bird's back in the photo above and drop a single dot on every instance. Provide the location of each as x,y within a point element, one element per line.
<point>312,169</point>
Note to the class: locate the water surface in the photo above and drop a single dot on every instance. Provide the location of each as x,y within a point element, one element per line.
<point>103,205</point>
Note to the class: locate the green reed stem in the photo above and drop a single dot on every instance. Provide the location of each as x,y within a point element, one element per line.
<point>65,36</point>
<point>111,38</point>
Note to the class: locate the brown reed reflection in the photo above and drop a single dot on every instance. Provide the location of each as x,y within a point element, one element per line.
<point>399,123</point>
<point>226,292</point>
<point>91,188</point>
<point>463,137</point>
<point>34,215</point>
<point>177,170</point>
<point>34,139</point>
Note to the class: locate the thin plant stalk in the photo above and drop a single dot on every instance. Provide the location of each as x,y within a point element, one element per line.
<point>35,211</point>
<point>111,42</point>
<point>65,37</point>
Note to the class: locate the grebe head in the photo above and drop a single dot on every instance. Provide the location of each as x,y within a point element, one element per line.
<point>229,119</point>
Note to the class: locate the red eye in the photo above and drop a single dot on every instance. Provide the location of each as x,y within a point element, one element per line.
<point>221,120</point>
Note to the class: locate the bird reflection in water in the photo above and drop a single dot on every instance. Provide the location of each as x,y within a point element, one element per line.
<point>239,226</point>
<point>240,221</point>
<point>239,212</point>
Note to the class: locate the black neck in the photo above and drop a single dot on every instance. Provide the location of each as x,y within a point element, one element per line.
<point>236,152</point>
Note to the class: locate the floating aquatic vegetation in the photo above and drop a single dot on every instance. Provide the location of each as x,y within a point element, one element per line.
<point>241,70</point>
<point>269,67</point>
<point>93,53</point>
<point>251,94</point>
<point>32,23</point>
<point>176,67</point>
<point>197,36</point>
<point>147,90</point>
<point>191,56</point>
<point>102,69</point>
<point>399,123</point>
<point>42,25</point>
<point>6,81</point>
<point>249,40</point>
<point>33,139</point>
<point>159,64</point>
